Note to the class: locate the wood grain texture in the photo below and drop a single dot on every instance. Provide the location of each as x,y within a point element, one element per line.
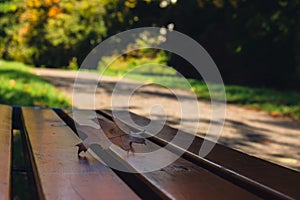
<point>5,153</point>
<point>62,174</point>
<point>269,174</point>
<point>179,180</point>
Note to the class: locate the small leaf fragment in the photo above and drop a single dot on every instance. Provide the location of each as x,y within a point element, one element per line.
<point>137,138</point>
<point>81,148</point>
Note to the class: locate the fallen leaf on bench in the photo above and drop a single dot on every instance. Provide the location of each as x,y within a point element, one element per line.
<point>81,147</point>
<point>135,138</point>
<point>91,135</point>
<point>117,129</point>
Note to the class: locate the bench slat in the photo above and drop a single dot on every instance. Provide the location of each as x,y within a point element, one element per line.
<point>269,174</point>
<point>5,153</point>
<point>61,173</point>
<point>180,180</point>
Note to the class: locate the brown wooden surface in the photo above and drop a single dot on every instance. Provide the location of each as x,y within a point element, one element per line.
<point>181,179</point>
<point>5,153</point>
<point>62,174</point>
<point>271,175</point>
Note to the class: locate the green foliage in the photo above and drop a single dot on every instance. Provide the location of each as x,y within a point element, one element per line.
<point>73,65</point>
<point>253,42</point>
<point>78,29</point>
<point>152,61</point>
<point>8,6</point>
<point>142,70</point>
<point>51,32</point>
<point>20,87</point>
<point>277,103</point>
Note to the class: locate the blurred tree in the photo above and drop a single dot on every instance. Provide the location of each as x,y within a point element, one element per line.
<point>52,32</point>
<point>75,28</point>
<point>8,25</point>
<point>247,39</point>
<point>253,42</point>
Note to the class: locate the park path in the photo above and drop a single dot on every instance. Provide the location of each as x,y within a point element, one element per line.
<point>250,131</point>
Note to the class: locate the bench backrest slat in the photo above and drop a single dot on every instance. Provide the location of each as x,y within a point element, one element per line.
<point>5,152</point>
<point>181,179</point>
<point>61,173</point>
<point>48,139</point>
<point>275,177</point>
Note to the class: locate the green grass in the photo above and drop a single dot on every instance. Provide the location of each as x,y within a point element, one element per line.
<point>18,86</point>
<point>277,103</point>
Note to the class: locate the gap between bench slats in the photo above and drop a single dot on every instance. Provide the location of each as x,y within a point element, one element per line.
<point>61,173</point>
<point>181,179</point>
<point>274,176</point>
<point>5,153</point>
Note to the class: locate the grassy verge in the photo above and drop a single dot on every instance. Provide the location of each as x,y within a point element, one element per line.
<point>18,86</point>
<point>277,103</point>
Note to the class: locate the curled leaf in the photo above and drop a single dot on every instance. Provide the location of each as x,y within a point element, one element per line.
<point>137,138</point>
<point>81,147</point>
<point>134,138</point>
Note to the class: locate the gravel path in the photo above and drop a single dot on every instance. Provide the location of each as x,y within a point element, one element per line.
<point>250,131</point>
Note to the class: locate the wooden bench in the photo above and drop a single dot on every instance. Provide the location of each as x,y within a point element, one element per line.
<point>39,161</point>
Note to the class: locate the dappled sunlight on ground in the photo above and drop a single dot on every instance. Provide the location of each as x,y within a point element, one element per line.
<point>250,131</point>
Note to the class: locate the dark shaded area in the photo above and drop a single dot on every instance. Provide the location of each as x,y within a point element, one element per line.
<point>253,42</point>
<point>23,183</point>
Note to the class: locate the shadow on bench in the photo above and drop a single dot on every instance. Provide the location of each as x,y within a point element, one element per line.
<point>38,151</point>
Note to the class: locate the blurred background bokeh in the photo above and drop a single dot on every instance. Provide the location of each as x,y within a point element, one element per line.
<point>254,43</point>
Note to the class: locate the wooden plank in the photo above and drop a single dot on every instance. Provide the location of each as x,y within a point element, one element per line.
<point>275,177</point>
<point>180,180</point>
<point>5,153</point>
<point>61,173</point>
